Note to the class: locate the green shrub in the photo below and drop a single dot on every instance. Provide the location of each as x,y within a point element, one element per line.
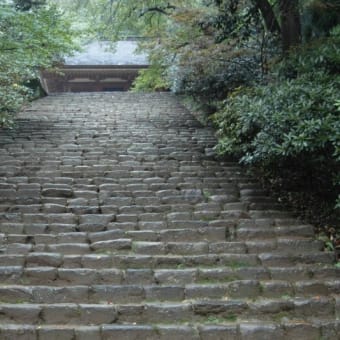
<point>291,125</point>
<point>283,119</point>
<point>289,130</point>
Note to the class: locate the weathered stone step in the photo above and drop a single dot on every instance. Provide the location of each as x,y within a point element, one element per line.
<point>153,173</point>
<point>116,222</point>
<point>212,330</point>
<point>138,176</point>
<point>196,311</point>
<point>127,293</point>
<point>241,230</point>
<point>90,276</point>
<point>164,261</point>
<point>264,233</point>
<point>128,246</point>
<point>166,235</point>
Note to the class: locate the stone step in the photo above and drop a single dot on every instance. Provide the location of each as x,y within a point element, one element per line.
<point>138,177</point>
<point>194,311</point>
<point>241,230</point>
<point>164,261</point>
<point>128,246</point>
<point>117,222</point>
<point>129,293</point>
<point>167,235</point>
<point>216,275</point>
<point>258,233</point>
<point>213,329</point>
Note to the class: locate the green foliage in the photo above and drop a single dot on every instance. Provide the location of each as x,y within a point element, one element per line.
<point>26,5</point>
<point>29,40</point>
<point>227,69</point>
<point>203,48</point>
<point>151,79</point>
<point>283,119</point>
<point>208,52</point>
<point>155,77</point>
<point>319,17</point>
<point>117,19</point>
<point>337,156</point>
<point>290,128</point>
<point>322,54</point>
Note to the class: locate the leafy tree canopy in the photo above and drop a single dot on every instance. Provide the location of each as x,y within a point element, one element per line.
<point>33,35</point>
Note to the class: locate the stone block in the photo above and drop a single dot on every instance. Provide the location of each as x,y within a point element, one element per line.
<point>57,192</point>
<point>164,293</point>
<point>167,313</point>
<point>218,332</point>
<point>55,333</point>
<point>140,276</point>
<point>302,330</point>
<point>178,332</point>
<point>186,248</point>
<point>79,276</point>
<point>44,260</point>
<point>40,275</point>
<point>128,332</point>
<point>16,332</point>
<point>60,314</point>
<point>262,332</point>
<point>88,333</point>
<point>112,245</point>
<point>20,313</point>
<point>116,294</point>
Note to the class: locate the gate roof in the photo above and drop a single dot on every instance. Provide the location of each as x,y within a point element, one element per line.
<point>101,53</point>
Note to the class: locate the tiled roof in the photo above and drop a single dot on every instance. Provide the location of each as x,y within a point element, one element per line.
<point>101,53</point>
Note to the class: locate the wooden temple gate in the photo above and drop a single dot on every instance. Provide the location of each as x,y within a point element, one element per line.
<point>90,78</point>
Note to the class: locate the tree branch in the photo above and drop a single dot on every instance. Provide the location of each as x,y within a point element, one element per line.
<point>9,49</point>
<point>161,10</point>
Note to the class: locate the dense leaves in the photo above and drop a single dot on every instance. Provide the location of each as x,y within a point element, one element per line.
<point>290,119</point>
<point>29,40</point>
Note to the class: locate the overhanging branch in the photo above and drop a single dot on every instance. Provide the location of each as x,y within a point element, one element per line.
<point>165,10</point>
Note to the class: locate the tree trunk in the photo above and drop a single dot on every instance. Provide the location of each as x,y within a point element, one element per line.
<point>290,23</point>
<point>268,15</point>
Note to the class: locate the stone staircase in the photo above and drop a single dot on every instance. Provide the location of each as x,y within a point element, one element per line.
<point>117,222</point>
